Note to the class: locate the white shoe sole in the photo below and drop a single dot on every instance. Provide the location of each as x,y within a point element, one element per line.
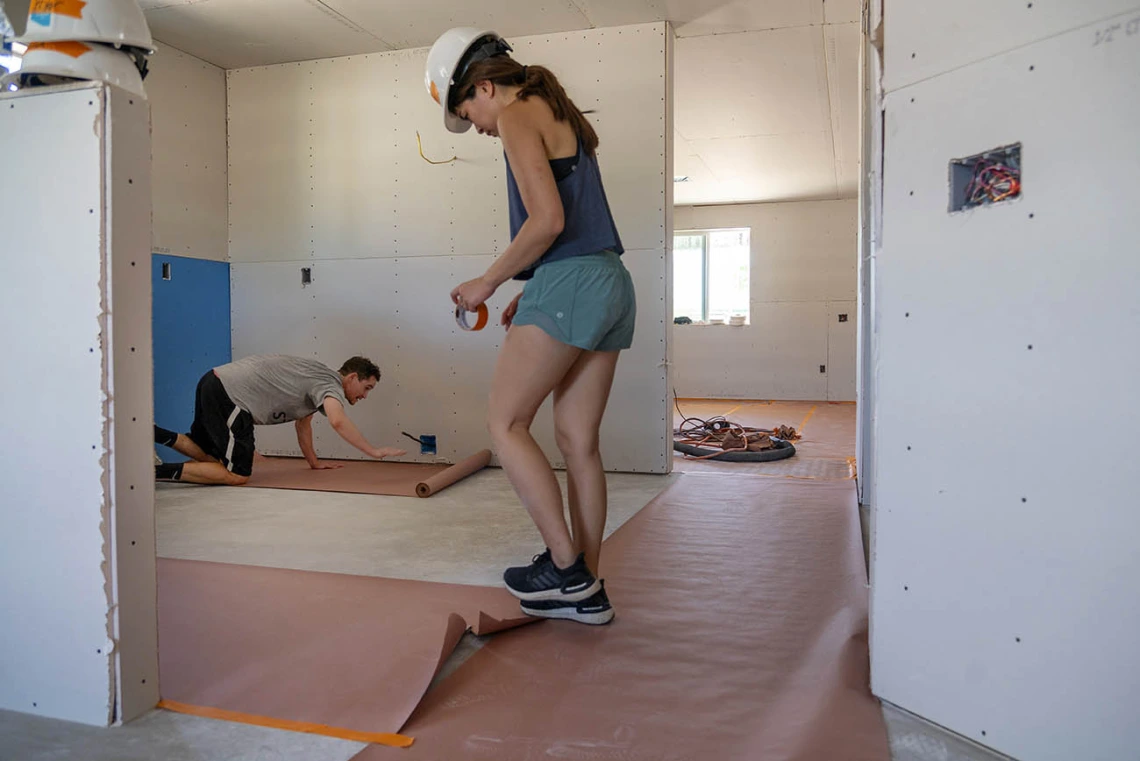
<point>557,594</point>
<point>570,613</point>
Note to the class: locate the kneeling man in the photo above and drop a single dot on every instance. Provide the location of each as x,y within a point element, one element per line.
<point>266,390</point>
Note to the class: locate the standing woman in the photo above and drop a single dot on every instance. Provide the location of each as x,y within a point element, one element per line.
<point>565,330</point>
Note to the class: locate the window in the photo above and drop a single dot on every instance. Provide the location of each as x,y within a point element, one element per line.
<point>711,274</point>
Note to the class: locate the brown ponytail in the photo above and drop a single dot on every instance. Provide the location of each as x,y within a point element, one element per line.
<point>531,80</point>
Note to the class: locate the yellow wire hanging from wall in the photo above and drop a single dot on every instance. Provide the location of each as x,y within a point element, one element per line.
<point>420,143</point>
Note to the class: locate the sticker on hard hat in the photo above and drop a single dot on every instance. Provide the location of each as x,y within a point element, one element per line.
<point>41,11</point>
<point>70,47</point>
<point>480,321</point>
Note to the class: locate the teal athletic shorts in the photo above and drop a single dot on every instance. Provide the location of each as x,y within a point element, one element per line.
<point>585,301</point>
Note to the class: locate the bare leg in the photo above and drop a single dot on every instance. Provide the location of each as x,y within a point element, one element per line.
<point>531,364</point>
<point>579,403</point>
<point>185,445</point>
<point>210,473</point>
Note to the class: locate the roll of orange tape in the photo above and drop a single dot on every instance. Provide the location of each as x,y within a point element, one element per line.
<point>480,321</point>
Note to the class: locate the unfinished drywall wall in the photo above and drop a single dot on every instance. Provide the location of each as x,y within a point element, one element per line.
<point>326,174</point>
<point>1004,598</point>
<point>77,535</point>
<point>931,38</point>
<point>57,661</point>
<point>769,103</point>
<point>803,279</point>
<point>130,404</point>
<point>188,107</point>
<point>191,289</point>
<point>870,232</point>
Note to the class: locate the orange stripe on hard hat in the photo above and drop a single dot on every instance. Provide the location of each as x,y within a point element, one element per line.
<point>71,48</point>
<point>73,8</point>
<point>435,92</point>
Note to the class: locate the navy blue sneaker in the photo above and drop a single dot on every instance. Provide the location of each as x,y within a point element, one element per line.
<point>595,609</point>
<point>543,580</point>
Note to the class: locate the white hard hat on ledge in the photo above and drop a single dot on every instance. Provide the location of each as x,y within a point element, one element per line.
<point>51,63</point>
<point>96,40</point>
<point>114,22</point>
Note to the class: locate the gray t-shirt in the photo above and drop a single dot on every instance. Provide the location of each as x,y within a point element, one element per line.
<point>275,388</point>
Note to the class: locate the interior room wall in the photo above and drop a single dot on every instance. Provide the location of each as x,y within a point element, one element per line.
<point>188,116</point>
<point>190,268</point>
<point>1004,596</point>
<point>326,175</point>
<point>803,283</point>
<point>76,483</point>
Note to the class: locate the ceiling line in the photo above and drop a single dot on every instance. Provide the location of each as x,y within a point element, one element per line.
<point>177,49</point>
<point>585,15</point>
<point>173,5</point>
<point>768,134</point>
<point>827,74</point>
<point>781,200</point>
<point>765,29</point>
<point>321,5</point>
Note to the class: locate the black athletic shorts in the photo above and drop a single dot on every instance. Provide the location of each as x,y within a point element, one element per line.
<point>221,428</point>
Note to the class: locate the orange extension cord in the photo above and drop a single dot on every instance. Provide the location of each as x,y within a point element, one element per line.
<point>724,435</point>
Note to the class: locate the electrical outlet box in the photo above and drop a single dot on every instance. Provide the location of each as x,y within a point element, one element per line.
<point>427,443</point>
<point>986,178</point>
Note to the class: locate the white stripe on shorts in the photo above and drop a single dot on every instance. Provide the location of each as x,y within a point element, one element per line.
<point>230,446</point>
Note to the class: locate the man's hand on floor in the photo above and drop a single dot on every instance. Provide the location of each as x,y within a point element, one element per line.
<point>326,465</point>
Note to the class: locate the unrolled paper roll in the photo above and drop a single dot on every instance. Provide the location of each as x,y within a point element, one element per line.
<point>456,472</point>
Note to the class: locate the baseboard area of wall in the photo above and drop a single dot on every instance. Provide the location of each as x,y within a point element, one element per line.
<point>865,526</point>
<point>913,738</point>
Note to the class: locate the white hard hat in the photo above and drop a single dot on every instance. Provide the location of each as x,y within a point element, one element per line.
<point>115,22</point>
<point>448,60</point>
<point>49,62</point>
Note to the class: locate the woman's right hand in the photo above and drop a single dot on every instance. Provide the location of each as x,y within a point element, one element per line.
<point>509,312</point>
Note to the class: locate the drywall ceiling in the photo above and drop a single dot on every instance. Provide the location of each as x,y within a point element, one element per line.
<point>767,101</point>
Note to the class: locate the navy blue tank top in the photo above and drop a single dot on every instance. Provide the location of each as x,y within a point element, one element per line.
<point>588,225</point>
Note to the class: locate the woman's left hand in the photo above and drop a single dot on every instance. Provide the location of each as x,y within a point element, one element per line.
<point>471,294</point>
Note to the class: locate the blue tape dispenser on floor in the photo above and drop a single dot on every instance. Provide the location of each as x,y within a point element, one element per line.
<point>426,442</point>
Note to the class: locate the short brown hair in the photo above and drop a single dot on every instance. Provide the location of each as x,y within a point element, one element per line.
<point>363,367</point>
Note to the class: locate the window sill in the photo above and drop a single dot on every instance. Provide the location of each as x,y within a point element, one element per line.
<point>711,325</point>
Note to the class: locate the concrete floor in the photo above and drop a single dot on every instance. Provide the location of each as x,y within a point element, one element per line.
<point>465,535</point>
<point>175,737</point>
<point>913,739</point>
<point>162,736</point>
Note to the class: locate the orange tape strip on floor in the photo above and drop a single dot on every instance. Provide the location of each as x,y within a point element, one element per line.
<point>712,400</point>
<point>379,738</point>
<point>807,417</point>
